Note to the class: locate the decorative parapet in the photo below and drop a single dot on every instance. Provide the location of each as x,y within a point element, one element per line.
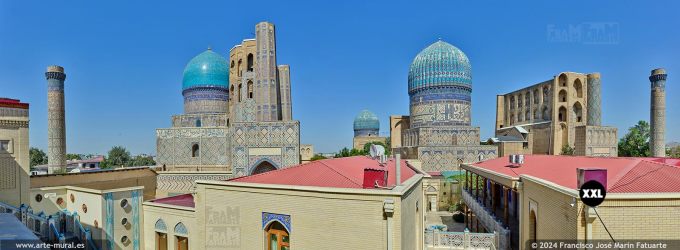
<point>488,220</point>
<point>460,240</point>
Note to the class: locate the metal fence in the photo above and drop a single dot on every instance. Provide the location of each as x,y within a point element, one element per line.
<point>460,240</point>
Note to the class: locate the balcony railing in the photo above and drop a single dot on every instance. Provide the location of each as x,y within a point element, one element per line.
<point>55,228</point>
<point>460,240</point>
<point>488,220</point>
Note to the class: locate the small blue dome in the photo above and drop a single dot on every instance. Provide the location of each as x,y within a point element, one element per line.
<point>366,120</point>
<point>440,64</point>
<point>207,69</point>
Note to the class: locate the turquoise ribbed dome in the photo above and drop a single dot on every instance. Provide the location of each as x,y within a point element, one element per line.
<point>440,64</point>
<point>207,69</point>
<point>366,120</point>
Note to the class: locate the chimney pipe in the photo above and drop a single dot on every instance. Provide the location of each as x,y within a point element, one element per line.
<point>397,157</point>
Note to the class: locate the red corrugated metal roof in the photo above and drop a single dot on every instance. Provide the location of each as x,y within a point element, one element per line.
<point>624,174</point>
<point>347,172</point>
<point>183,200</point>
<point>12,103</point>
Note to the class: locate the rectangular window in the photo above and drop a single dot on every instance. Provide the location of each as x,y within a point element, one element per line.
<point>161,241</point>
<point>182,243</point>
<point>4,146</point>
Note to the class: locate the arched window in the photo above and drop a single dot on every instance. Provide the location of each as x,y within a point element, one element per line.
<point>562,115</point>
<point>277,237</point>
<point>535,96</point>
<point>238,73</point>
<point>527,99</point>
<point>231,93</point>
<point>198,123</point>
<point>181,236</point>
<point>519,100</point>
<point>578,88</point>
<point>535,114</point>
<point>532,226</point>
<point>250,89</point>
<point>578,112</point>
<point>250,62</point>
<point>546,113</point>
<point>563,80</point>
<point>264,166</point>
<point>240,87</point>
<point>195,151</point>
<point>512,119</point>
<point>527,115</point>
<point>512,102</point>
<point>232,64</point>
<point>563,95</point>
<point>546,94</point>
<point>161,235</point>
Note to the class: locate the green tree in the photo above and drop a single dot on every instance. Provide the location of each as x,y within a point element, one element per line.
<point>345,152</point>
<point>636,141</point>
<point>142,161</point>
<point>673,152</point>
<point>567,150</point>
<point>118,156</point>
<point>70,157</point>
<point>317,157</point>
<point>37,156</point>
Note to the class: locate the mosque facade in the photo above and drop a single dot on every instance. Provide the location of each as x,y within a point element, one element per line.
<point>438,131</point>
<point>237,113</point>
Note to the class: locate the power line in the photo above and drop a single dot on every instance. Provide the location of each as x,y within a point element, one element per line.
<point>605,226</point>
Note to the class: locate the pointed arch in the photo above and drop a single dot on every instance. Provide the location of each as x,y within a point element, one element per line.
<point>160,226</point>
<point>181,229</point>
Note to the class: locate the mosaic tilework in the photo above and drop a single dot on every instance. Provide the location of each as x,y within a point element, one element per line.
<point>447,158</point>
<point>440,113</point>
<point>281,218</point>
<point>186,183</point>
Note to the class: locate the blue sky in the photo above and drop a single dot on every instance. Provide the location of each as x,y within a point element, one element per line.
<point>124,59</point>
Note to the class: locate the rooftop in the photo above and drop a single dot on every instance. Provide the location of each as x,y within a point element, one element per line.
<point>12,103</point>
<point>624,174</point>
<point>182,200</point>
<point>347,172</point>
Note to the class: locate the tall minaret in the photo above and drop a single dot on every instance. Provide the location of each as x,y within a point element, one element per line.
<point>658,113</point>
<point>285,106</point>
<point>594,110</point>
<point>56,124</point>
<point>266,84</point>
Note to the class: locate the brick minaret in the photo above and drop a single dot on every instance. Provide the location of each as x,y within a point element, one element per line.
<point>56,124</point>
<point>266,85</point>
<point>594,110</point>
<point>658,113</point>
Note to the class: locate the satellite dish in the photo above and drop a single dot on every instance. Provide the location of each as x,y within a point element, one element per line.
<point>377,150</point>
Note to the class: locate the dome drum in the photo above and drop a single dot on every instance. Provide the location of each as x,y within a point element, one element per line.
<point>205,100</point>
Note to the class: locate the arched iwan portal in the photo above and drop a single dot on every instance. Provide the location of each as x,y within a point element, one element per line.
<point>264,166</point>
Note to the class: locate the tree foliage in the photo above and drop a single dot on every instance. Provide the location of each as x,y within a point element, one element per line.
<point>118,156</point>
<point>37,156</point>
<point>142,160</point>
<point>345,152</point>
<point>70,157</point>
<point>317,157</point>
<point>567,150</point>
<point>636,141</point>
